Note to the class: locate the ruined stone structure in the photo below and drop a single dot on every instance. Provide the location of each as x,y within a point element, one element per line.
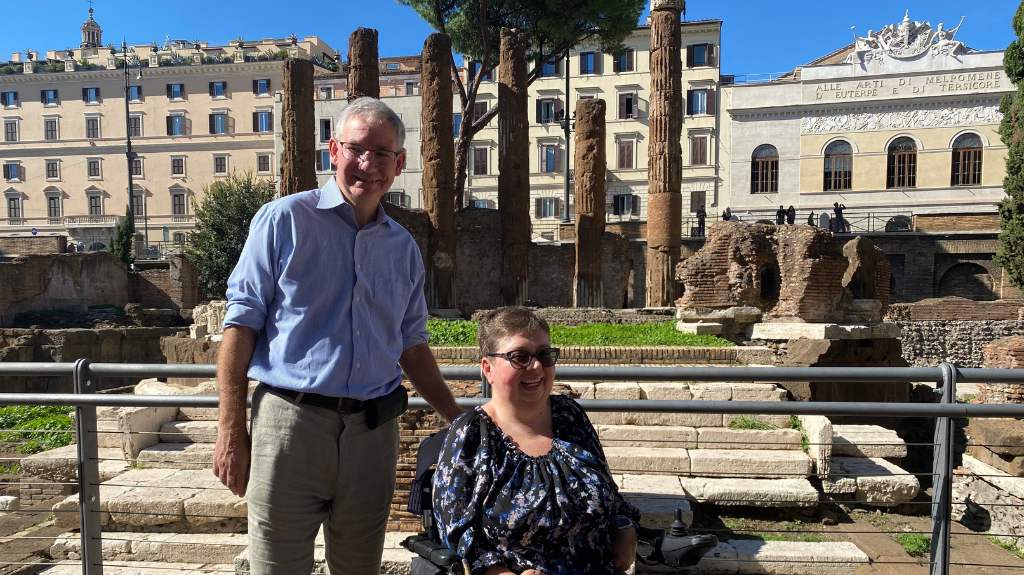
<point>437,149</point>
<point>298,133</point>
<point>1006,353</point>
<point>665,154</point>
<point>590,165</point>
<point>363,71</point>
<point>514,167</point>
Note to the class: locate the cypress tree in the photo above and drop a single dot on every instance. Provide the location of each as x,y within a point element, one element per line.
<point>1010,254</point>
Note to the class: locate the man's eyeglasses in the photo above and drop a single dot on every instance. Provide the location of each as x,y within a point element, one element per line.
<point>357,152</point>
<point>521,359</point>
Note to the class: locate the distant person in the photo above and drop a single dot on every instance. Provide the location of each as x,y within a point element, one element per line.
<point>811,220</point>
<point>825,221</point>
<point>791,215</point>
<point>727,215</point>
<point>701,218</point>
<point>838,222</point>
<point>780,216</point>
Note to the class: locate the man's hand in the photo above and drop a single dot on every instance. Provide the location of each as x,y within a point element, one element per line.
<point>421,368</point>
<point>624,552</point>
<point>231,458</point>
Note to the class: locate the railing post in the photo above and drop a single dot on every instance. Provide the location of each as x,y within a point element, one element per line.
<point>90,530</point>
<point>942,477</point>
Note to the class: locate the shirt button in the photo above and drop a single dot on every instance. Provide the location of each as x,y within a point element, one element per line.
<point>357,365</point>
<point>359,332</point>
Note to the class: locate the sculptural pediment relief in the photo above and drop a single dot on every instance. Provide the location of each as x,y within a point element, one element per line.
<point>908,40</point>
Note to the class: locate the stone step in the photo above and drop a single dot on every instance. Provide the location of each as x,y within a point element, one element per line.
<point>659,494</point>
<point>142,568</point>
<point>219,548</point>
<point>177,456</point>
<point>394,560</point>
<point>702,419</point>
<point>754,463</point>
<point>162,500</point>
<point>189,432</point>
<point>754,556</point>
<point>698,437</point>
<point>867,441</point>
<point>197,414</point>
<point>61,464</point>
<point>675,390</point>
<point>871,481</point>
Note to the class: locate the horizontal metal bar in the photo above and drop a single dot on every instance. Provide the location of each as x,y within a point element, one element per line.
<point>34,368</point>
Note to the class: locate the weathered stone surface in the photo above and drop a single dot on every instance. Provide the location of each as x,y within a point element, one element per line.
<point>668,390</point>
<point>590,166</point>
<point>724,438</point>
<point>580,389</point>
<point>178,455</point>
<point>867,441</point>
<point>988,500</point>
<point>647,459</point>
<point>9,503</point>
<point>775,420</point>
<point>61,464</point>
<point>659,512</point>
<point>757,392</point>
<point>796,330</point>
<point>203,548</point>
<point>298,133</point>
<point>711,391</point>
<point>637,418</point>
<point>867,276</point>
<point>734,491</point>
<point>1003,353</point>
<point>879,482</point>
<point>819,433</point>
<point>928,343</point>
<point>749,463</point>
<point>876,352</point>
<point>1002,436</point>
<point>363,66</point>
<point>139,427</point>
<point>189,432</point>
<point>647,436</point>
<point>798,557</point>
<point>617,390</point>
<point>514,167</point>
<point>1011,464</point>
<point>700,328</point>
<point>66,512</point>
<point>144,568</point>
<point>641,485</point>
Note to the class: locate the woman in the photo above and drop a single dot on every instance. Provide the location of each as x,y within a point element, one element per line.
<point>522,485</point>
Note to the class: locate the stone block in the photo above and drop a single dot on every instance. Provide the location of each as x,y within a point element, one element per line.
<point>665,390</point>
<point>749,463</point>
<point>647,436</point>
<point>178,456</point>
<point>758,392</point>
<point>189,432</point>
<point>1002,436</point>
<point>10,503</point>
<point>781,331</point>
<point>1011,465</point>
<point>581,389</point>
<point>798,557</point>
<point>1010,484</point>
<point>867,441</point>
<point>650,485</point>
<point>711,391</point>
<point>647,459</point>
<point>204,413</point>
<point>655,419</point>
<point>819,432</point>
<point>140,427</point>
<point>617,390</point>
<point>994,501</point>
<point>66,511</point>
<point>61,464</point>
<point>745,492</point>
<point>779,421</point>
<point>879,482</point>
<point>725,438</point>
<point>699,328</point>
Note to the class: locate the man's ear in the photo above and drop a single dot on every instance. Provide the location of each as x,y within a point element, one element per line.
<point>400,163</point>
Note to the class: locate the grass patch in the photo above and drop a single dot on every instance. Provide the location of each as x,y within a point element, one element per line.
<point>1006,545</point>
<point>795,423</point>
<point>36,428</point>
<point>462,333</point>
<point>747,422</point>
<point>915,544</point>
<point>794,530</point>
<point>10,468</point>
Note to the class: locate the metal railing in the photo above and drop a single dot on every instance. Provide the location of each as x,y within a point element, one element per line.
<point>85,399</point>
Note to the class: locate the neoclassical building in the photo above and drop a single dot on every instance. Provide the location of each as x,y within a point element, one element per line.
<point>901,123</point>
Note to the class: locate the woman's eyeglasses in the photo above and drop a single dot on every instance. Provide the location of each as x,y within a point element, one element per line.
<point>521,359</point>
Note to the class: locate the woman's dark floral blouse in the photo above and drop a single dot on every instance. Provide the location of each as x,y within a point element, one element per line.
<point>496,505</point>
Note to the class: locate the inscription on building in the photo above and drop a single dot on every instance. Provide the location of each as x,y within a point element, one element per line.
<point>907,87</point>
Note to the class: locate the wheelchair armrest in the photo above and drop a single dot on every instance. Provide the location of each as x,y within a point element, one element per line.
<point>431,550</point>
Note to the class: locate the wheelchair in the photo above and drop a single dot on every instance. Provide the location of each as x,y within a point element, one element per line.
<point>672,547</point>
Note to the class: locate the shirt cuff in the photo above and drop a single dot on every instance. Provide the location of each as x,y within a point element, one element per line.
<point>240,314</point>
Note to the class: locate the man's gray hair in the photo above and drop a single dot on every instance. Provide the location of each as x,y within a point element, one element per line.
<point>373,110</point>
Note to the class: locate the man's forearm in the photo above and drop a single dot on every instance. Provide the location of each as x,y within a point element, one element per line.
<point>233,359</point>
<point>421,369</point>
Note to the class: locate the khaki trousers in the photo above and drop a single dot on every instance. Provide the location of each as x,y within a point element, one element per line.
<point>310,467</point>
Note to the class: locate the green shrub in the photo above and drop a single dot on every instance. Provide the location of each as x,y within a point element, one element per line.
<point>915,544</point>
<point>22,425</point>
<point>463,333</point>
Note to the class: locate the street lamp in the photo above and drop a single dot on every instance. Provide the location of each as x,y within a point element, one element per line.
<point>129,153</point>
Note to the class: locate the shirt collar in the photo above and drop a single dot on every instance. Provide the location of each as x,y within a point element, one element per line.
<point>331,198</point>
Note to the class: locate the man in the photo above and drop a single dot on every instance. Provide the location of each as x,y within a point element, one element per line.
<point>325,303</point>
<point>780,216</point>
<point>702,217</point>
<point>791,215</point>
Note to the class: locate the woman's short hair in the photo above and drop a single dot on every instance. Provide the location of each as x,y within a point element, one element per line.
<point>372,110</point>
<point>503,322</point>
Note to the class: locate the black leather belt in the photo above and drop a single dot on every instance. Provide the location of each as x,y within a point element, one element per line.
<point>343,404</point>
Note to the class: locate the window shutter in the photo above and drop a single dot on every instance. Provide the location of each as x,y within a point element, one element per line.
<point>689,56</point>
<point>539,105</point>
<point>617,63</point>
<point>42,96</point>
<point>635,204</point>
<point>316,161</point>
<point>711,101</point>
<point>689,102</point>
<point>255,87</point>
<point>558,207</point>
<point>270,121</point>
<point>580,71</point>
<point>229,124</point>
<point>255,122</point>
<point>558,159</point>
<point>636,106</point>
<point>169,125</point>
<point>559,109</point>
<point>211,122</point>
<point>211,89</point>
<point>536,207</point>
<point>269,90</point>
<point>168,91</point>
<point>85,94</point>
<point>630,63</point>
<point>712,55</point>
<point>598,62</point>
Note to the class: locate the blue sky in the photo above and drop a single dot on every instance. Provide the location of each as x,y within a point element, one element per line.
<point>758,36</point>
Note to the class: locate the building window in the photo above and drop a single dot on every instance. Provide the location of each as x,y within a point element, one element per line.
<point>325,129</point>
<point>412,88</point>
<point>10,130</point>
<point>261,87</point>
<point>9,99</point>
<point>219,89</point>
<point>480,161</point>
<point>590,63</point>
<point>625,149</point>
<point>52,169</point>
<point>95,205</point>
<point>551,68</point>
<point>700,55</point>
<point>474,69</point>
<point>838,166</point>
<point>624,61</point>
<point>138,204</point>
<point>134,93</point>
<point>326,93</point>
<point>49,97</point>
<point>764,170</point>
<point>626,205</point>
<point>479,109</point>
<point>137,167</point>
<point>135,126</point>
<point>901,168</point>
<point>91,95</point>
<point>92,127</point>
<point>397,198</point>
<point>550,158</point>
<point>698,150</point>
<point>549,110</point>
<point>262,121</point>
<point>323,161</point>
<point>50,133</point>
<point>220,165</point>
<point>700,101</point>
<point>628,106</point>
<point>178,205</point>
<point>175,91</point>
<point>546,208</point>
<point>177,166</point>
<point>456,124</point>
<point>179,238</point>
<point>13,209</point>
<point>176,125</point>
<point>698,199</point>
<point>263,163</point>
<point>12,171</point>
<point>967,151</point>
<point>219,123</point>
<point>93,168</point>
<point>53,206</point>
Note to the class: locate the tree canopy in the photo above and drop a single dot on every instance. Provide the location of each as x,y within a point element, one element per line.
<point>1010,254</point>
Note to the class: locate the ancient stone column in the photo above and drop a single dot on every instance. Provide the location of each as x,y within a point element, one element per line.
<point>363,67</point>
<point>437,147</point>
<point>664,154</point>
<point>298,134</point>
<point>513,167</point>
<point>590,165</point>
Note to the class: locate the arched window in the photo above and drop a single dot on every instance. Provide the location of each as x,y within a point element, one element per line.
<point>966,161</point>
<point>838,166</point>
<point>764,170</point>
<point>902,165</point>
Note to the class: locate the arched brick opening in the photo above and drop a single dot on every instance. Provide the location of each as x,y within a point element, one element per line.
<point>967,280</point>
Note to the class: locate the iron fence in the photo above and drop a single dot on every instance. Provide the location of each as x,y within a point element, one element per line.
<point>945,410</point>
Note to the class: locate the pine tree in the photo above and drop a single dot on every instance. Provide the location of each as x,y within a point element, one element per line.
<point>1010,254</point>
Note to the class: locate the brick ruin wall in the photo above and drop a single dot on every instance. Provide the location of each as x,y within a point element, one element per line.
<point>33,245</point>
<point>954,329</point>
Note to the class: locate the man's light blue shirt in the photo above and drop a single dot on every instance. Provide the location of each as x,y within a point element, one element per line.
<point>333,305</point>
